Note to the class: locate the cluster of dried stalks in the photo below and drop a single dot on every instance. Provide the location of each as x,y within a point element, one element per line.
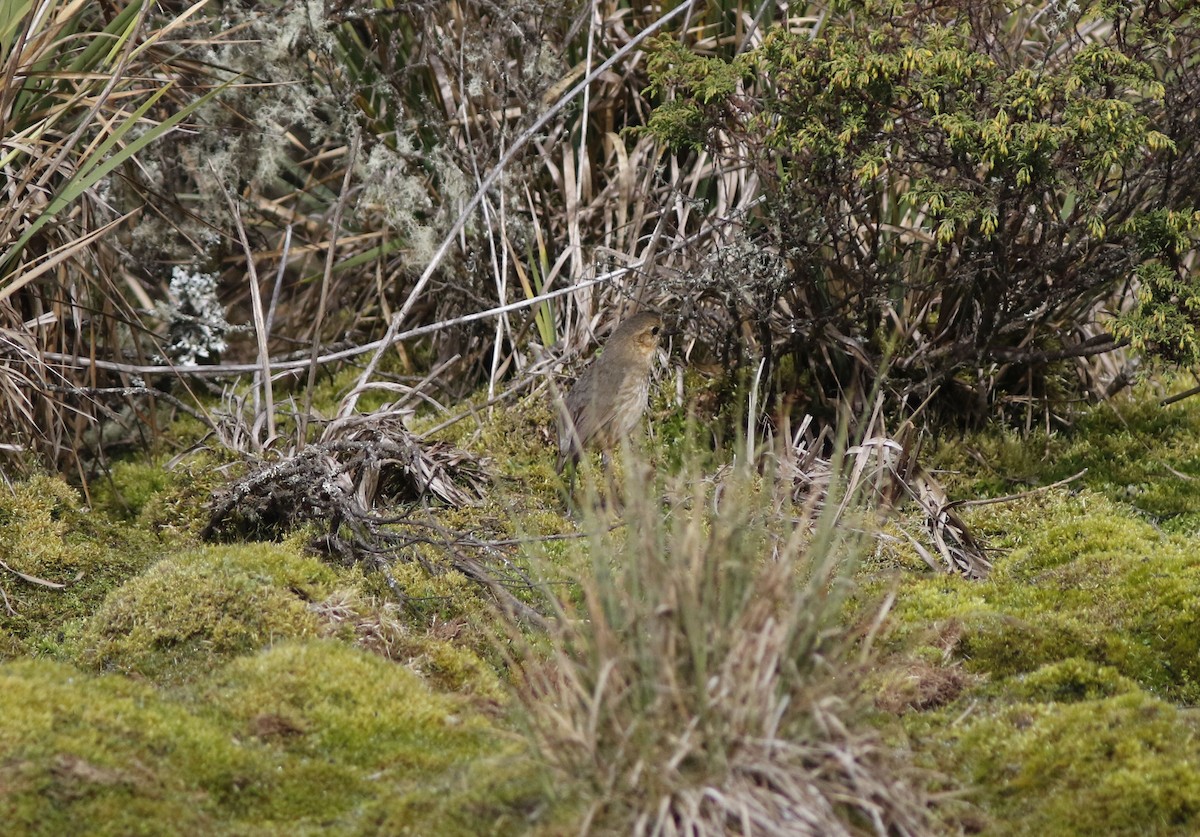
<point>885,468</point>
<point>338,487</point>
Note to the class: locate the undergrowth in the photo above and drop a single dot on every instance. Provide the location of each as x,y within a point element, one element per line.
<point>705,665</point>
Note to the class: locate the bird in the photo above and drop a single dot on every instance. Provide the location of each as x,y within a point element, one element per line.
<point>608,399</point>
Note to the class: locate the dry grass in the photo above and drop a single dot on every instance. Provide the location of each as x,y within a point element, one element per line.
<point>350,145</point>
<point>700,680</point>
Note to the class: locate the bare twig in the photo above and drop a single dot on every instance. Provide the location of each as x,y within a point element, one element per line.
<point>1179,396</point>
<point>1018,496</point>
<point>289,366</point>
<point>130,392</point>
<point>330,254</point>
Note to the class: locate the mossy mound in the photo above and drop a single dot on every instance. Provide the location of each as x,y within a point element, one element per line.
<point>1088,580</point>
<point>105,755</point>
<point>386,629</point>
<point>366,746</point>
<point>1121,765</point>
<point>1074,667</point>
<point>307,737</point>
<point>218,601</point>
<point>339,703</point>
<point>46,533</point>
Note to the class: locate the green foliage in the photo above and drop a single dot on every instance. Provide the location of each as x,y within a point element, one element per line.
<point>1166,318</point>
<point>1069,680</point>
<point>36,531</point>
<point>304,737</point>
<point>374,714</point>
<point>954,189</point>
<point>170,502</point>
<point>1073,665</point>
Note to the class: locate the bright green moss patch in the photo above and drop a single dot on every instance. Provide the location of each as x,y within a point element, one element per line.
<point>46,533</point>
<point>1122,765</point>
<point>502,795</point>
<point>336,702</point>
<point>1090,581</point>
<point>1067,681</point>
<point>214,602</point>
<point>366,747</point>
<point>307,737</point>
<point>1082,645</point>
<point>129,486</point>
<point>36,532</point>
<point>169,503</point>
<point>104,755</point>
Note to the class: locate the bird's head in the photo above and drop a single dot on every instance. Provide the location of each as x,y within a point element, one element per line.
<point>638,334</point>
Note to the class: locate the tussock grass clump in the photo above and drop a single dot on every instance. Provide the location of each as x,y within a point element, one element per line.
<point>701,680</point>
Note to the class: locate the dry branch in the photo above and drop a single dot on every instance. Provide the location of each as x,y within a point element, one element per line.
<point>336,485</point>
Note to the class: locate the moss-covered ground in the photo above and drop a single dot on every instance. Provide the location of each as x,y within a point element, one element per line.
<point>180,687</point>
<point>1061,692</point>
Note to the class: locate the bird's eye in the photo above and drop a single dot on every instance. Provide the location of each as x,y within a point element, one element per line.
<point>656,330</point>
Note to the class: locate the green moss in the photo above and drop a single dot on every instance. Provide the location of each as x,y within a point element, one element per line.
<point>306,737</point>
<point>35,528</point>
<point>129,486</point>
<point>431,650</point>
<point>1066,681</point>
<point>1122,765</point>
<point>343,703</point>
<point>44,532</point>
<point>170,503</point>
<point>188,609</point>
<point>397,757</point>
<point>1088,580</point>
<point>446,598</point>
<point>496,796</point>
<point>103,755</point>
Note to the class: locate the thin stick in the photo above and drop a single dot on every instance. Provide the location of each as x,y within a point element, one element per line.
<point>130,392</point>
<point>218,369</point>
<point>1179,396</point>
<point>326,277</point>
<point>284,366</point>
<point>1008,497</point>
<point>460,223</point>
<point>260,322</point>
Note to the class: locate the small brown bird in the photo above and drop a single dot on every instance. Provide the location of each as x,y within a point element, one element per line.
<point>608,399</point>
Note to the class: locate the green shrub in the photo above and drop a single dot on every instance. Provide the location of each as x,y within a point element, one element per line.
<point>951,191</point>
